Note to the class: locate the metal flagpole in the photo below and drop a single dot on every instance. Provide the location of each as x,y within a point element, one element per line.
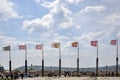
<point>10,61</point>
<point>97,62</point>
<point>78,61</point>
<point>42,61</point>
<point>117,59</point>
<point>59,62</point>
<point>26,59</point>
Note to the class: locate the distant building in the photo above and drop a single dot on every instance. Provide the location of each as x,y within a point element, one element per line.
<point>1,68</point>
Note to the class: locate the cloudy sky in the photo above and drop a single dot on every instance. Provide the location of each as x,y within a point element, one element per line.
<point>45,21</point>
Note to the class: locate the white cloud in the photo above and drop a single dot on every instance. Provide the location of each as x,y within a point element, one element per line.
<point>37,24</point>
<point>90,9</point>
<point>78,27</point>
<point>118,34</point>
<point>7,11</point>
<point>59,16</point>
<point>7,40</point>
<point>37,1</point>
<point>71,1</point>
<point>48,4</point>
<point>85,38</point>
<point>74,1</point>
<point>45,35</point>
<point>60,38</point>
<point>112,19</point>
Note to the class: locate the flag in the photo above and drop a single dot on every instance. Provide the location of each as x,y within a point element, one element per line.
<point>39,46</point>
<point>55,45</point>
<point>113,42</point>
<point>22,46</point>
<point>75,44</point>
<point>7,48</point>
<point>94,43</point>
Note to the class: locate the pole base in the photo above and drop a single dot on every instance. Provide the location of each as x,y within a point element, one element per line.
<point>97,66</point>
<point>10,66</point>
<point>25,66</point>
<point>59,67</point>
<point>42,68</point>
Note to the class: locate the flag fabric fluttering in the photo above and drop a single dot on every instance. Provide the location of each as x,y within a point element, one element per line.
<point>39,46</point>
<point>22,46</point>
<point>6,48</point>
<point>113,42</point>
<point>55,45</point>
<point>94,43</point>
<point>74,44</point>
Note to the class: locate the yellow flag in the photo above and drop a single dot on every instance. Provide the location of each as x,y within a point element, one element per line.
<point>55,45</point>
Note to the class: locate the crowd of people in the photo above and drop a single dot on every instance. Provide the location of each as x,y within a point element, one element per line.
<point>84,74</point>
<point>11,76</point>
<point>91,74</point>
<point>16,75</point>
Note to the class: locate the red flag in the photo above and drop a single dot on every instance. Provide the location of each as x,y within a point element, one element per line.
<point>113,42</point>
<point>39,46</point>
<point>94,43</point>
<point>22,46</point>
<point>75,44</point>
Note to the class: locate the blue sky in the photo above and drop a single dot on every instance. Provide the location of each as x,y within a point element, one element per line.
<point>45,21</point>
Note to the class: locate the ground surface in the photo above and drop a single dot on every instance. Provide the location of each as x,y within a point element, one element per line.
<point>73,78</point>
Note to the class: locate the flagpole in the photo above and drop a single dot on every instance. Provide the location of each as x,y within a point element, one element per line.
<point>26,59</point>
<point>10,61</point>
<point>59,62</point>
<point>42,62</point>
<point>78,61</point>
<point>117,59</point>
<point>97,62</point>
